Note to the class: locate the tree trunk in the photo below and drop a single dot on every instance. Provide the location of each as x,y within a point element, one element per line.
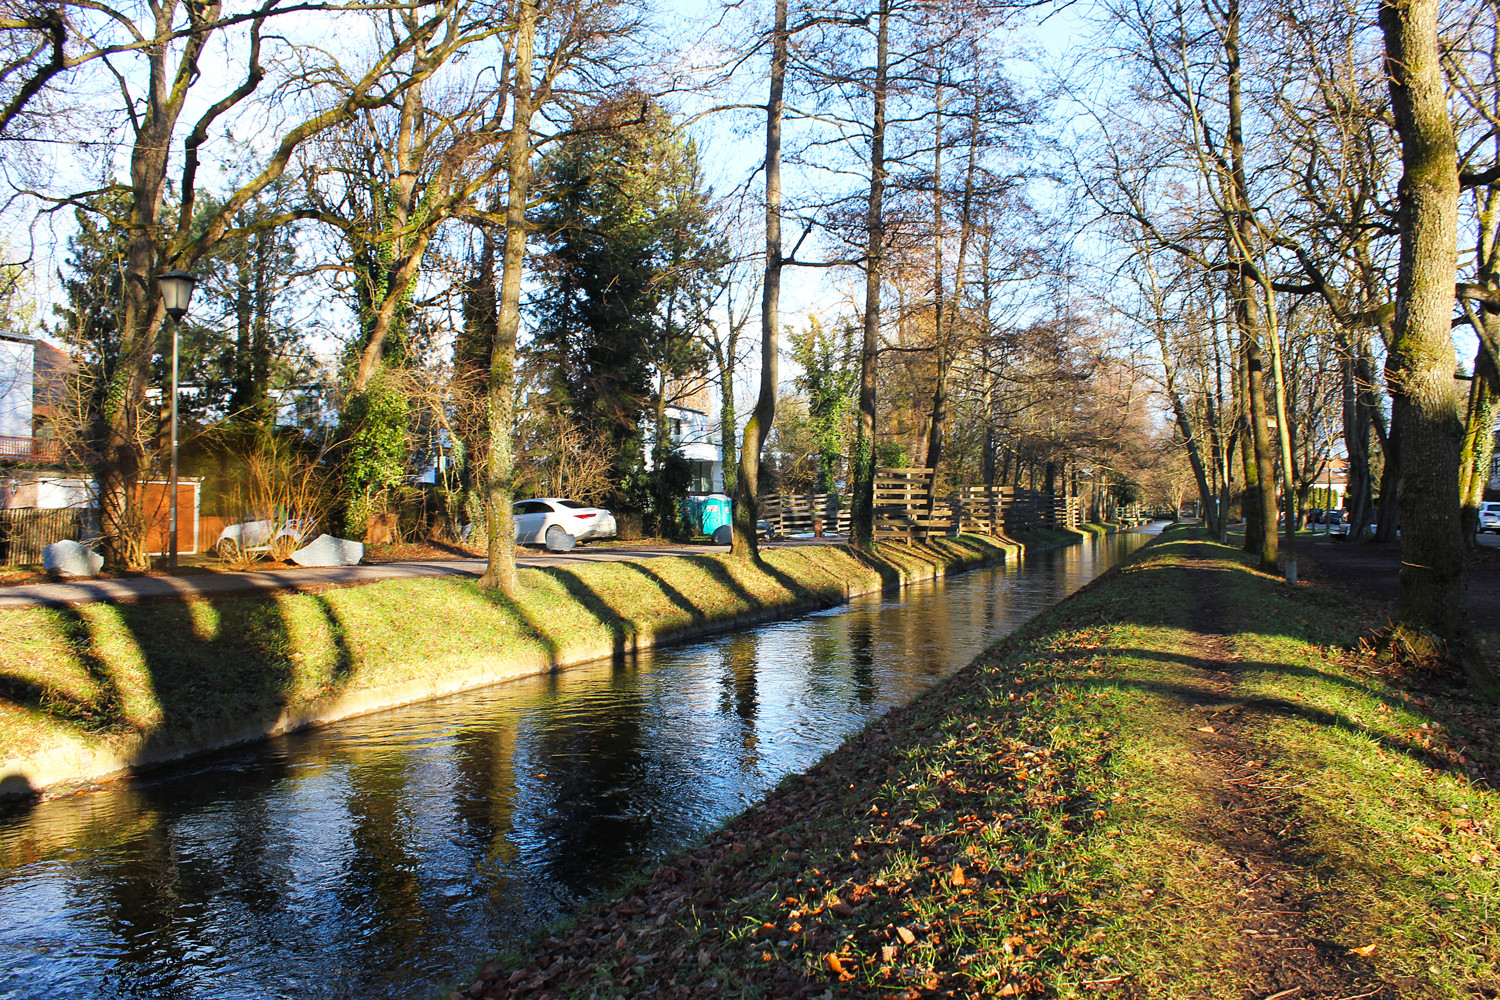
<point>1292,511</point>
<point>1479,438</point>
<point>499,487</point>
<point>1247,312</point>
<point>1433,611</point>
<point>727,421</point>
<point>1357,485</point>
<point>747,502</point>
<point>939,415</point>
<point>121,458</point>
<point>862,519</point>
<point>1388,519</point>
<point>1484,391</point>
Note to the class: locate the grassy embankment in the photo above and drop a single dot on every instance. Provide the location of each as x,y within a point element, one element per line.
<point>1176,784</point>
<point>86,690</point>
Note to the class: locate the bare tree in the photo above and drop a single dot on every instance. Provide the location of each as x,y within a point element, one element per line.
<point>166,44</point>
<point>1433,614</point>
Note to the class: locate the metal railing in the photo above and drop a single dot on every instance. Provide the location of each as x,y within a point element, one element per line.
<point>28,449</point>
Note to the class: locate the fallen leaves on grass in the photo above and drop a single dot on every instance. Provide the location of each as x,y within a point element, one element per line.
<point>881,872</point>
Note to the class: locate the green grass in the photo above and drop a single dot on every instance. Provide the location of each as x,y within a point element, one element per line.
<point>1034,826</point>
<point>166,674</point>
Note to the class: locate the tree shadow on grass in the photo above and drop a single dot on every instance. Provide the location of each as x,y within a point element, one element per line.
<point>797,589</point>
<point>1190,696</point>
<point>343,656</point>
<point>683,604</point>
<point>169,676</point>
<point>890,574</point>
<point>716,569</point>
<point>1242,666</point>
<point>980,545</point>
<point>624,640</point>
<point>86,713</point>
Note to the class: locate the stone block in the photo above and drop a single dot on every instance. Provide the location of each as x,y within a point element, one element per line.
<point>69,558</point>
<point>326,550</point>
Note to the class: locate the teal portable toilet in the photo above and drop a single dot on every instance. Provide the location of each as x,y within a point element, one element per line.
<point>715,512</point>
<point>706,514</point>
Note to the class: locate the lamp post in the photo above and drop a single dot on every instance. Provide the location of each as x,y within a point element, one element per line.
<point>176,291</point>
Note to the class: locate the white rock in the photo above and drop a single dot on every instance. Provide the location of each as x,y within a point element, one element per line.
<point>326,550</point>
<point>69,558</point>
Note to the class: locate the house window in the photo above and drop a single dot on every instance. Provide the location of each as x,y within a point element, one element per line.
<point>703,477</point>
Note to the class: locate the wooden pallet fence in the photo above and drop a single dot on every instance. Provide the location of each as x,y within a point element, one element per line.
<point>795,513</point>
<point>901,509</point>
<point>1029,509</point>
<point>901,506</point>
<point>1075,512</point>
<point>1036,509</point>
<point>26,531</point>
<point>982,509</point>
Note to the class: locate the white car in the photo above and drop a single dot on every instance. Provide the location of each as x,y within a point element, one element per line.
<point>1489,516</point>
<point>558,523</point>
<point>278,537</point>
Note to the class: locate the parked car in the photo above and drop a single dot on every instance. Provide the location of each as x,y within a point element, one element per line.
<point>1337,525</point>
<point>558,523</point>
<point>275,534</point>
<point>1489,516</point>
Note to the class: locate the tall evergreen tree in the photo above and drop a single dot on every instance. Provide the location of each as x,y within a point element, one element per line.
<point>629,256</point>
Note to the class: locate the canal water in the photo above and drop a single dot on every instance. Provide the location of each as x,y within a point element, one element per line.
<point>385,856</point>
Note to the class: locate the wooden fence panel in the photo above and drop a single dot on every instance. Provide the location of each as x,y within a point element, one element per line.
<point>901,509</point>
<point>26,531</point>
<point>901,506</point>
<point>796,513</point>
<point>982,508</point>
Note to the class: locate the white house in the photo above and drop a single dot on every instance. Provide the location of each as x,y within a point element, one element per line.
<point>17,374</point>
<point>689,432</point>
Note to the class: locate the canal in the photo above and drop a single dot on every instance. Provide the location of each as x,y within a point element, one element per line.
<point>385,856</point>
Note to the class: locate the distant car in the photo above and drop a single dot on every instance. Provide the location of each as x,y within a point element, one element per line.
<point>277,536</point>
<point>1336,523</point>
<point>558,523</point>
<point>1489,516</point>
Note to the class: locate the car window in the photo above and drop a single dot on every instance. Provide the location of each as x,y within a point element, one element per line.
<point>532,507</point>
<point>574,504</point>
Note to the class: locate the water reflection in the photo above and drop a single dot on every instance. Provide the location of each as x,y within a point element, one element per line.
<point>381,857</point>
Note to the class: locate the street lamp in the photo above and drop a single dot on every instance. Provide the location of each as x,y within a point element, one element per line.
<point>176,291</point>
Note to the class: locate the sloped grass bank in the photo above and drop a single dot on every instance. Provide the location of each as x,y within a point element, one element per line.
<point>1175,784</point>
<point>87,691</point>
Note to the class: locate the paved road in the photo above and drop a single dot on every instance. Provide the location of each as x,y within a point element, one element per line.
<point>1374,569</point>
<point>131,589</point>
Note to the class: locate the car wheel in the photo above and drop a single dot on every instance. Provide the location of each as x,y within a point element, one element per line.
<point>559,540</point>
<point>723,535</point>
<point>227,549</point>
